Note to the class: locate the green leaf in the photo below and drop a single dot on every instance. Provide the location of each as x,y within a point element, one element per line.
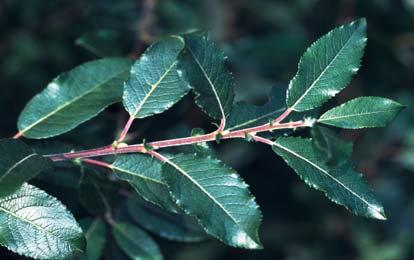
<point>18,164</point>
<point>155,85</point>
<point>341,184</point>
<point>102,43</point>
<point>335,150</point>
<point>74,97</point>
<point>135,242</point>
<point>203,64</point>
<point>95,237</point>
<point>34,224</point>
<point>327,66</point>
<point>362,112</point>
<point>143,172</point>
<point>217,196</point>
<point>172,226</point>
<point>246,115</point>
<point>96,194</point>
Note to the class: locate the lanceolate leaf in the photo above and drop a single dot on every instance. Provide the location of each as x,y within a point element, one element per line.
<point>95,237</point>
<point>203,64</point>
<point>335,150</point>
<point>217,196</point>
<point>342,185</point>
<point>34,224</point>
<point>177,227</point>
<point>327,66</point>
<point>362,112</point>
<point>18,164</point>
<point>135,242</point>
<point>143,172</point>
<point>155,85</point>
<point>246,115</point>
<point>74,97</point>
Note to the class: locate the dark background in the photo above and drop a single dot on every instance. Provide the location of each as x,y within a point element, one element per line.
<point>264,40</point>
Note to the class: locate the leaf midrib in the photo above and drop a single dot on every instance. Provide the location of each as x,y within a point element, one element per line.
<point>356,115</point>
<point>209,82</point>
<point>138,175</point>
<point>27,128</point>
<point>10,170</point>
<point>327,173</point>
<point>324,71</point>
<point>154,87</point>
<point>39,227</point>
<point>204,190</point>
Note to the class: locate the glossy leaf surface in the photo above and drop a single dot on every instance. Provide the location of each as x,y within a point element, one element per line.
<point>74,97</point>
<point>341,184</point>
<point>143,172</point>
<point>155,85</point>
<point>34,224</point>
<point>362,112</point>
<point>214,193</point>
<point>204,67</point>
<point>327,66</point>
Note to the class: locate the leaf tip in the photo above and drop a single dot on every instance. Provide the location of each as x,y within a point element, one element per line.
<point>377,212</point>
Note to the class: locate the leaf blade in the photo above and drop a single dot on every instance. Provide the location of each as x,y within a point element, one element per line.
<point>18,164</point>
<point>338,56</point>
<point>47,229</point>
<point>73,98</point>
<point>203,64</point>
<point>135,242</point>
<point>362,112</point>
<point>221,217</point>
<point>143,172</point>
<point>342,185</point>
<point>155,85</point>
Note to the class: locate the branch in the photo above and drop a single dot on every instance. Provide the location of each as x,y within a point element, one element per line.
<point>140,148</point>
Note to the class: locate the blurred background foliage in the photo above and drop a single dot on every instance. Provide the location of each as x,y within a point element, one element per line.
<point>264,40</point>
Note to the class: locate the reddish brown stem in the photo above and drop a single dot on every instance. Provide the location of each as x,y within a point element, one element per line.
<point>139,148</point>
<point>126,129</point>
<point>97,163</point>
<point>18,135</point>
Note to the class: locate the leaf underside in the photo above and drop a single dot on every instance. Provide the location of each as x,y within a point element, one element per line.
<point>34,224</point>
<point>327,66</point>
<point>217,196</point>
<point>74,97</point>
<point>341,184</point>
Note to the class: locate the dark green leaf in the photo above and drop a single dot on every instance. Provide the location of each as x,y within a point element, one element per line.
<point>74,97</point>
<point>135,242</point>
<point>143,172</point>
<point>34,224</point>
<point>155,85</point>
<point>96,194</point>
<point>246,115</point>
<point>335,150</point>
<point>327,66</point>
<point>217,196</point>
<point>95,238</point>
<point>168,225</point>
<point>362,112</point>
<point>341,184</point>
<point>102,43</point>
<point>18,164</point>
<point>203,64</point>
